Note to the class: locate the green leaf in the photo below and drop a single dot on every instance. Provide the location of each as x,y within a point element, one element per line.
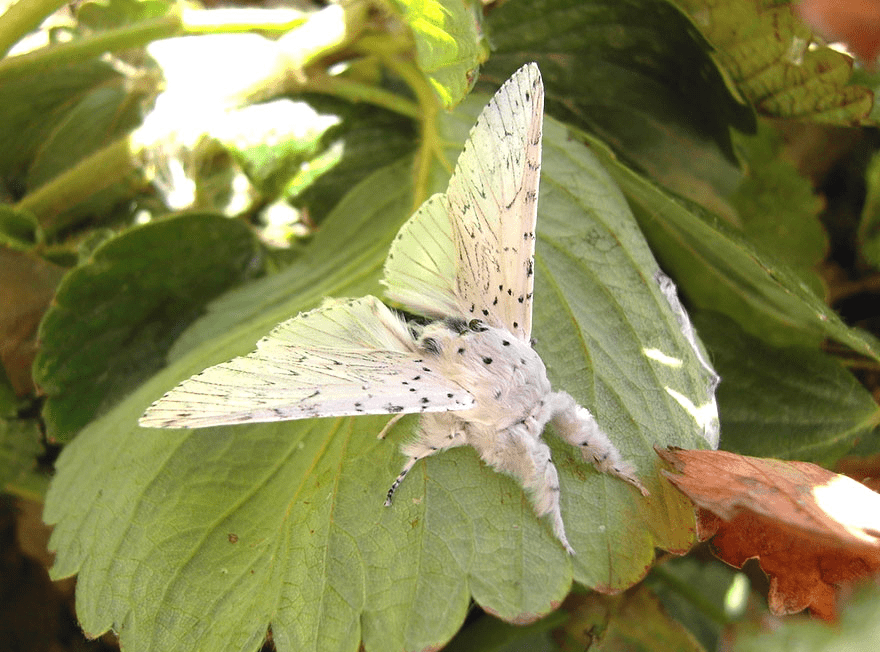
<point>720,270</point>
<point>869,227</point>
<point>9,402</point>
<point>116,314</point>
<point>49,96</point>
<point>790,403</point>
<point>777,207</point>
<point>488,634</point>
<point>777,64</point>
<point>638,75</point>
<point>695,593</point>
<point>368,138</point>
<point>282,524</point>
<point>449,46</point>
<point>100,116</point>
<point>18,229</point>
<point>19,447</point>
<point>633,622</point>
<point>272,140</point>
<point>857,629</point>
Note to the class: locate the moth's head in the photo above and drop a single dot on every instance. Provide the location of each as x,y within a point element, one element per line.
<point>462,326</point>
<point>434,337</point>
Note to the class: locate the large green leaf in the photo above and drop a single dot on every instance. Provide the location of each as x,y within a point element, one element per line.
<point>114,315</point>
<point>202,539</point>
<point>791,403</point>
<point>720,270</point>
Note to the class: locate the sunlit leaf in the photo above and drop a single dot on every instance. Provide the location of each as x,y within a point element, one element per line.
<point>449,45</point>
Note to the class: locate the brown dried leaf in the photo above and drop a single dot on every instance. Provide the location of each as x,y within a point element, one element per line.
<point>27,285</point>
<point>812,530</point>
<point>864,469</point>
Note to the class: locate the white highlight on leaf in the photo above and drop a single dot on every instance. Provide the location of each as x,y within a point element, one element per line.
<point>658,356</point>
<point>706,415</point>
<point>853,505</point>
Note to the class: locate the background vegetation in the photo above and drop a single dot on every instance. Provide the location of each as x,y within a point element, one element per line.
<point>177,179</point>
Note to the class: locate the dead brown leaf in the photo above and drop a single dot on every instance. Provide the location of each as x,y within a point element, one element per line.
<point>811,530</point>
<point>864,469</point>
<point>27,285</point>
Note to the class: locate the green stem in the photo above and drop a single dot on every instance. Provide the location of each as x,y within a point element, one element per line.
<point>175,23</point>
<point>224,21</point>
<point>103,169</point>
<point>22,18</point>
<point>89,47</point>
<point>430,147</point>
<point>356,92</point>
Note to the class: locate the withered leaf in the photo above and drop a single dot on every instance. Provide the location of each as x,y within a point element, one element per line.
<point>811,530</point>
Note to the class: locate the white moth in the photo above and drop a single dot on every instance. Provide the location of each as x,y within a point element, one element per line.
<point>465,260</point>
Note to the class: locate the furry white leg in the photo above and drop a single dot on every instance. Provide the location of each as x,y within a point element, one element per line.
<point>437,431</point>
<point>518,452</point>
<point>578,427</point>
<point>388,426</point>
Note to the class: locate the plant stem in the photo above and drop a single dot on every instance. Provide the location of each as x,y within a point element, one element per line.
<point>429,149</point>
<point>89,47</point>
<point>22,18</point>
<point>101,170</point>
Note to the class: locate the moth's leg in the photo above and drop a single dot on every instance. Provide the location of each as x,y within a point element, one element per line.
<point>391,423</point>
<point>437,431</point>
<point>578,427</point>
<point>518,452</point>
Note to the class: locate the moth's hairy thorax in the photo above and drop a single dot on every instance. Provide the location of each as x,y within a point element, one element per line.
<point>504,374</point>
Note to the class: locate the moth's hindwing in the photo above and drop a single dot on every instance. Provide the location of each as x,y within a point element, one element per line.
<point>420,268</point>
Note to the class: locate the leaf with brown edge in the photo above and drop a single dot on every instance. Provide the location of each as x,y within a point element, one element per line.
<point>812,530</point>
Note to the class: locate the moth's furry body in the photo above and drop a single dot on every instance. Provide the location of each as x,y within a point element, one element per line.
<point>514,402</point>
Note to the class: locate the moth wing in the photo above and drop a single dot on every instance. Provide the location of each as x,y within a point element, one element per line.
<point>493,203</point>
<point>344,358</point>
<point>420,268</point>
